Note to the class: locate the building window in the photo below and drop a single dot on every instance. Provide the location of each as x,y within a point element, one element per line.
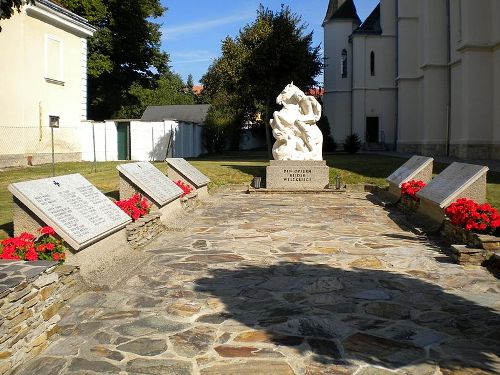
<point>343,64</point>
<point>372,63</point>
<point>53,59</point>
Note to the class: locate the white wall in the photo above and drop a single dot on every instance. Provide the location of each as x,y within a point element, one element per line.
<point>337,95</point>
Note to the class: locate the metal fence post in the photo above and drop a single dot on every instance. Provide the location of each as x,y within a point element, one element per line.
<point>93,143</point>
<point>53,158</point>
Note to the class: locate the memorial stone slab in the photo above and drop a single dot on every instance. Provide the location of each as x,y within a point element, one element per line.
<point>449,185</point>
<point>416,168</point>
<point>151,181</point>
<point>76,209</point>
<point>186,170</point>
<point>409,170</point>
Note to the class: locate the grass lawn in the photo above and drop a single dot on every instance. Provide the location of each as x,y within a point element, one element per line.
<point>231,168</point>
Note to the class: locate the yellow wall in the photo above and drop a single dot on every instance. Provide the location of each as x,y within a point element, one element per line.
<point>24,89</point>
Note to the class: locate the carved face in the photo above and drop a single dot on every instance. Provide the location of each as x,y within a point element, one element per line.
<point>287,93</point>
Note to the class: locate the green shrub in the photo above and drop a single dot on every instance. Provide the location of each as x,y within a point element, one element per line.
<point>352,143</point>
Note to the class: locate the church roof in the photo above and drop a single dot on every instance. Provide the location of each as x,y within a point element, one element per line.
<point>371,24</point>
<point>347,10</point>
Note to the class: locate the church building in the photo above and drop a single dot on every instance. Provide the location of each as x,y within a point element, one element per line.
<point>419,76</point>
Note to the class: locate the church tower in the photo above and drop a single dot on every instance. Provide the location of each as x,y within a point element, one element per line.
<point>340,21</point>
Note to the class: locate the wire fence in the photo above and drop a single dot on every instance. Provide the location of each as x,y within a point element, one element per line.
<point>31,145</point>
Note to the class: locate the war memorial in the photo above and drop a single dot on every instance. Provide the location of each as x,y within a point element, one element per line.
<point>302,278</point>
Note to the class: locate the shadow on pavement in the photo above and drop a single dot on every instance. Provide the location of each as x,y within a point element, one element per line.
<point>340,316</point>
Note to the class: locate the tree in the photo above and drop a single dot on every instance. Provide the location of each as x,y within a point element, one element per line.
<point>189,82</point>
<point>8,7</point>
<point>123,54</point>
<point>254,67</point>
<point>169,90</point>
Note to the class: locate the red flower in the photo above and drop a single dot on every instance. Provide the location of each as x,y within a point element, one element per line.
<point>50,246</point>
<point>411,188</point>
<point>135,206</point>
<point>47,230</point>
<point>473,216</point>
<point>31,254</point>
<point>186,189</point>
<point>55,256</point>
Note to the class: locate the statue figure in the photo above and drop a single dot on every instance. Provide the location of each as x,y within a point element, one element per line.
<point>294,126</point>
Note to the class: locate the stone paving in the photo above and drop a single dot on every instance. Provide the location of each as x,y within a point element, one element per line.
<point>274,284</point>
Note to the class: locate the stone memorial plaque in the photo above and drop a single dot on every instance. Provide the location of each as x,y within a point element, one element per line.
<point>76,209</point>
<point>188,171</point>
<point>151,181</point>
<point>448,185</point>
<point>297,174</point>
<point>409,170</point>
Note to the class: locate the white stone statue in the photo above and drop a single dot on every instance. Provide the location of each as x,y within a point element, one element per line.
<point>294,126</point>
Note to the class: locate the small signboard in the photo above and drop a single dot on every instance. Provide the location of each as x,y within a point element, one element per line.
<point>186,170</point>
<point>76,209</point>
<point>151,181</point>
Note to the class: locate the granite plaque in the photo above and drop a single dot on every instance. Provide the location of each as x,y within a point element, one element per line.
<point>409,170</point>
<point>297,175</point>
<point>450,183</point>
<point>76,209</point>
<point>188,171</point>
<point>151,181</point>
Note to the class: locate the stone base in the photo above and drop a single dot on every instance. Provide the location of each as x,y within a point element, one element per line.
<point>431,213</point>
<point>202,192</point>
<point>106,262</point>
<point>170,211</point>
<point>144,229</point>
<point>393,193</point>
<point>467,256</point>
<point>297,175</point>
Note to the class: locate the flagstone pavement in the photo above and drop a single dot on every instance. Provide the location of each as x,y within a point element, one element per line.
<point>276,284</point>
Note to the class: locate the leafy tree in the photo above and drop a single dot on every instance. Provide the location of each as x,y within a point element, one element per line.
<point>189,82</point>
<point>254,67</point>
<point>124,53</point>
<point>170,90</point>
<point>8,7</point>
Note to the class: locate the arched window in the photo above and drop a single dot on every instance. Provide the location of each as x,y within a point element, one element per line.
<point>343,64</point>
<point>372,63</point>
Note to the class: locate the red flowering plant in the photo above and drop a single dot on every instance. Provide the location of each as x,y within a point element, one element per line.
<point>135,207</point>
<point>185,187</point>
<point>47,246</point>
<point>473,216</point>
<point>409,192</point>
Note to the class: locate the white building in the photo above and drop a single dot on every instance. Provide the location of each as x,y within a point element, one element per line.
<point>43,80</point>
<point>420,76</point>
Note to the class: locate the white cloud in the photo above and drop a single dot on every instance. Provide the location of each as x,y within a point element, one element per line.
<point>186,57</point>
<point>176,31</point>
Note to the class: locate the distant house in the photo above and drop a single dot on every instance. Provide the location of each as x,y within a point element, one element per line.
<point>168,130</point>
<point>43,82</point>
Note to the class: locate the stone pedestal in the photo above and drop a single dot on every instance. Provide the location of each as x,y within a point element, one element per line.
<point>297,175</point>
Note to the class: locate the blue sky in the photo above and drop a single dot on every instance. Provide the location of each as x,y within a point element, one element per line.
<point>193,29</point>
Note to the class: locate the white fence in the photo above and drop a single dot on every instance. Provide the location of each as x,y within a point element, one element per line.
<point>146,141</point>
